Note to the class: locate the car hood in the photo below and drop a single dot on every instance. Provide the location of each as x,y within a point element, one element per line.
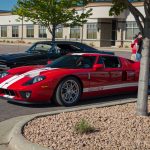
<point>32,71</point>
<point>50,74</point>
<point>14,56</point>
<point>39,71</point>
<point>47,71</point>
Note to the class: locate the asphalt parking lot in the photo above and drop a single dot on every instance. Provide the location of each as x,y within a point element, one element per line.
<point>9,110</point>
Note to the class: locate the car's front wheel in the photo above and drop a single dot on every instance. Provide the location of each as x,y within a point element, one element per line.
<point>68,92</point>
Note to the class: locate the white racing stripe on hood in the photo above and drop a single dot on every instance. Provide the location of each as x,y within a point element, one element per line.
<point>7,84</point>
<point>8,80</point>
<point>16,78</point>
<point>36,72</point>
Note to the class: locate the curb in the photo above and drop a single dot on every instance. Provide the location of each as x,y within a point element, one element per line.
<point>19,142</point>
<point>115,49</point>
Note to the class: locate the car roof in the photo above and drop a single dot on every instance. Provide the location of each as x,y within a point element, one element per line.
<point>75,43</point>
<point>60,42</point>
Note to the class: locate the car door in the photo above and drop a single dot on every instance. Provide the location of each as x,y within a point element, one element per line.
<point>108,79</point>
<point>113,65</point>
<point>121,78</point>
<point>99,79</point>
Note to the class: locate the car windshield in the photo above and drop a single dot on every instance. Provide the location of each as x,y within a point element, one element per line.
<point>43,48</point>
<point>73,61</point>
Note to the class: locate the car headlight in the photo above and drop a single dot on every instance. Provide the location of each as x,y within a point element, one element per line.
<point>3,74</point>
<point>35,80</point>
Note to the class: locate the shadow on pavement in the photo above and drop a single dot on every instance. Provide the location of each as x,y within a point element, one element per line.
<point>83,102</point>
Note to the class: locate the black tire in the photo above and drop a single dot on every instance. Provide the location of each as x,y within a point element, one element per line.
<point>67,97</point>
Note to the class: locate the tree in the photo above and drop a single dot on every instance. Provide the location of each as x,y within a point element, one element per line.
<point>52,14</point>
<point>143,22</point>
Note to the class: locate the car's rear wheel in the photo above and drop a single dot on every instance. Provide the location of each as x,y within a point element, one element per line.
<point>68,92</point>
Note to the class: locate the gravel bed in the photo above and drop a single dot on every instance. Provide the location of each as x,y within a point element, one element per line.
<point>117,128</point>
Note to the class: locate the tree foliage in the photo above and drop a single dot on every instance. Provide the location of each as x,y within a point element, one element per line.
<point>51,13</point>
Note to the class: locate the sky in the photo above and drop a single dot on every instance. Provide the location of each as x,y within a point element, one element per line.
<point>7,4</point>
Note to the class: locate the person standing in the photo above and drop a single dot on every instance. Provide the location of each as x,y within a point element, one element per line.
<point>139,47</point>
<point>134,48</point>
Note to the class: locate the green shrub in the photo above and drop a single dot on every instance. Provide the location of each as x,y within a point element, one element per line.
<point>83,127</point>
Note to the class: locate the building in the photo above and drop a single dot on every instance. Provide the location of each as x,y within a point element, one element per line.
<point>101,30</point>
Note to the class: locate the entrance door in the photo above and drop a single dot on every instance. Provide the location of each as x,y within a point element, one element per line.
<point>114,34</point>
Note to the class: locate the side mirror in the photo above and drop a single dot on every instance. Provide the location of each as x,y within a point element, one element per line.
<point>98,67</point>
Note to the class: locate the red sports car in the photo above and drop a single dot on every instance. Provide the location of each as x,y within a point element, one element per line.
<point>69,79</point>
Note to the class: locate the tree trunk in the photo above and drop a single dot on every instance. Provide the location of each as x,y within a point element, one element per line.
<point>53,33</point>
<point>142,102</point>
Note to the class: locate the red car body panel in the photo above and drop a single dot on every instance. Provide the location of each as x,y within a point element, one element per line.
<point>95,83</point>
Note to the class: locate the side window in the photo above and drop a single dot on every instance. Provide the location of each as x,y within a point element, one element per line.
<point>69,48</point>
<point>100,60</point>
<point>85,62</point>
<point>111,62</point>
<point>42,47</point>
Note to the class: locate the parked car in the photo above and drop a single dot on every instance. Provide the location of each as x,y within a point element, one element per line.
<point>41,52</point>
<point>70,78</point>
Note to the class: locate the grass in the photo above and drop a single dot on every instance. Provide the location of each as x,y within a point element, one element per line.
<point>83,127</point>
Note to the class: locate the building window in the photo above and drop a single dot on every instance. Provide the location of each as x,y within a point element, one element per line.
<point>92,31</point>
<point>75,32</point>
<point>42,32</point>
<point>59,33</point>
<point>30,31</point>
<point>131,29</point>
<point>3,31</point>
<point>15,31</point>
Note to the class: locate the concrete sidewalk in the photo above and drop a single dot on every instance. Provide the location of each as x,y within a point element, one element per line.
<point>11,130</point>
<point>114,49</point>
<point>5,129</point>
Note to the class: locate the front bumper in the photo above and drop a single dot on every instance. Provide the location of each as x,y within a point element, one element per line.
<point>37,96</point>
<point>24,102</point>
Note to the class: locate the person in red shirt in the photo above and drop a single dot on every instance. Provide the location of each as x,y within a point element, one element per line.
<point>139,47</point>
<point>134,48</point>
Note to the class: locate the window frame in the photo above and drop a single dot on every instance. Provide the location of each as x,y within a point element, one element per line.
<point>42,32</point>
<point>4,32</point>
<point>15,31</point>
<point>29,30</point>
<point>131,25</point>
<point>92,32</point>
<point>75,32</point>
